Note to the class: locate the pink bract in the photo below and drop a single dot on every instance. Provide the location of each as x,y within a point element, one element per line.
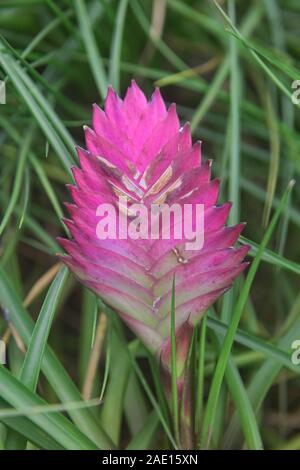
<point>138,149</point>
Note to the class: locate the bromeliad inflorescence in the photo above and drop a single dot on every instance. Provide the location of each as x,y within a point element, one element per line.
<point>137,154</point>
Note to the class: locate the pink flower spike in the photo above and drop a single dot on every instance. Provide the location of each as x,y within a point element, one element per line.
<point>138,155</point>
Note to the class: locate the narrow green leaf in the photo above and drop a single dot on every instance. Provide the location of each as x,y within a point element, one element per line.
<point>113,400</point>
<point>211,94</point>
<point>274,160</point>
<point>26,195</point>
<point>33,360</point>
<point>175,405</point>
<point>271,257</point>
<point>200,376</point>
<point>48,189</point>
<point>115,56</point>
<point>88,322</point>
<point>234,151</point>
<point>18,179</point>
<point>94,57</point>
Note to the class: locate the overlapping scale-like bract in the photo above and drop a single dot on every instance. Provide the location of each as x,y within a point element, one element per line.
<point>138,150</point>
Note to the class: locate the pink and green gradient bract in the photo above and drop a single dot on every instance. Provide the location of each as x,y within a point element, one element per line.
<point>138,149</point>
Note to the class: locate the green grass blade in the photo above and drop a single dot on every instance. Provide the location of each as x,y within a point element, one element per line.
<point>158,385</point>
<point>26,193</point>
<point>271,257</point>
<point>175,404</point>
<point>153,401</point>
<point>39,171</point>
<point>94,57</point>
<point>274,160</point>
<point>112,409</point>
<point>63,17</point>
<point>115,57</point>
<point>33,360</point>
<point>48,189</point>
<point>200,377</point>
<point>18,179</point>
<point>235,91</point>
<point>87,330</point>
<point>210,96</point>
